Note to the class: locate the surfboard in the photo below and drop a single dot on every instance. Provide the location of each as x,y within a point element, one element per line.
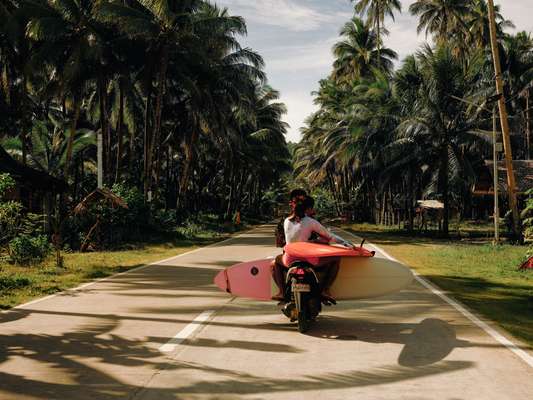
<point>358,278</point>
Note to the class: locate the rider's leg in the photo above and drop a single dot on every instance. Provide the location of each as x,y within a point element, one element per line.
<point>278,273</point>
<point>331,270</point>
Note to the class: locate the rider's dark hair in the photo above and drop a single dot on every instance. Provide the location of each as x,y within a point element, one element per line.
<point>297,193</point>
<point>309,202</point>
<point>299,211</point>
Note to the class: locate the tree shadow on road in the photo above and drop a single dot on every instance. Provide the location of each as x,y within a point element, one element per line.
<point>425,343</point>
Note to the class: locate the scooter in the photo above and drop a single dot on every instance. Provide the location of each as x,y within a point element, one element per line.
<point>303,290</point>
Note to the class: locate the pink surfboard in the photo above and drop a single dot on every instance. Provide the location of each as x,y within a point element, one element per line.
<point>360,275</point>
<point>251,279</point>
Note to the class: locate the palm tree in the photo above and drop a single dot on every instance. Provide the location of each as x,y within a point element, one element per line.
<point>376,11</point>
<point>358,54</point>
<point>162,27</point>
<point>69,38</point>
<point>517,66</point>
<point>15,103</point>
<point>435,83</point>
<point>49,145</point>
<point>262,133</point>
<point>444,19</point>
<point>477,24</point>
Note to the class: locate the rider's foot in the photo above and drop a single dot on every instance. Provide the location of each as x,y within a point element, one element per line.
<point>327,297</point>
<point>278,297</point>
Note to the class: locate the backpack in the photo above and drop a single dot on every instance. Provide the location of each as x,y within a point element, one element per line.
<point>280,234</point>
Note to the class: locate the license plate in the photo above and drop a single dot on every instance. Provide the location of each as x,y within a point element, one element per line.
<point>301,287</point>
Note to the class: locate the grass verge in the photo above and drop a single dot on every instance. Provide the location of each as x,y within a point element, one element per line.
<point>19,284</point>
<point>484,277</point>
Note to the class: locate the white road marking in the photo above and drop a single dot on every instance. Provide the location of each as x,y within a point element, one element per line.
<point>182,335</point>
<point>526,357</point>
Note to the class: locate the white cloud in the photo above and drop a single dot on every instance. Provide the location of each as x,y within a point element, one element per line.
<point>518,11</point>
<point>291,15</point>
<point>300,105</point>
<point>292,59</point>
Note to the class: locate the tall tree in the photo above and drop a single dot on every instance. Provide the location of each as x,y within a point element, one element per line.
<point>436,83</point>
<point>444,19</point>
<point>376,11</point>
<point>358,54</point>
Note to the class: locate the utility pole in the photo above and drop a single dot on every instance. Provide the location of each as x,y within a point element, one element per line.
<point>511,184</point>
<point>495,174</point>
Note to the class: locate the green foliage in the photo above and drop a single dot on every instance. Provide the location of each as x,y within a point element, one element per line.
<point>11,220</point>
<point>527,218</point>
<point>6,183</point>
<point>136,216</point>
<point>164,220</point>
<point>25,250</point>
<point>11,217</point>
<point>117,225</point>
<point>324,203</point>
<point>33,224</point>
<point>189,230</point>
<point>14,282</point>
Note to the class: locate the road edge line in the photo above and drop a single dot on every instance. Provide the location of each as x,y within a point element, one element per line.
<point>87,284</point>
<point>434,289</point>
<point>200,321</point>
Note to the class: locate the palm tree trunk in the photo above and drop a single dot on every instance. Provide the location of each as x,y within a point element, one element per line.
<point>528,127</point>
<point>445,187</point>
<point>156,145</point>
<point>146,141</point>
<point>24,145</point>
<point>131,155</point>
<point>120,133</point>
<point>73,127</point>
<point>378,33</point>
<point>104,127</point>
<point>186,174</point>
<point>410,200</point>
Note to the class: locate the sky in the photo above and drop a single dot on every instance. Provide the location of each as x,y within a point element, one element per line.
<point>295,38</point>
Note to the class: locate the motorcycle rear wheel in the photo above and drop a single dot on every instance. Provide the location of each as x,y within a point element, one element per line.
<point>303,318</point>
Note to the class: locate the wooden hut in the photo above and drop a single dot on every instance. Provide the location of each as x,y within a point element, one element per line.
<point>32,185</point>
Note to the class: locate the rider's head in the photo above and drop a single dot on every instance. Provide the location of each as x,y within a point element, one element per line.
<point>309,205</point>
<point>299,210</point>
<point>297,195</point>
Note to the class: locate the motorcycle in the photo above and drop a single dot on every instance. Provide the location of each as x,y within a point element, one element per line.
<point>303,292</point>
<point>303,289</point>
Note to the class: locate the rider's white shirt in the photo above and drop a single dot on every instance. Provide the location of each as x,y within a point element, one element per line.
<point>300,231</point>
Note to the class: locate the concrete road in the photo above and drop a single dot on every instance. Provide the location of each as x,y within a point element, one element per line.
<point>105,341</point>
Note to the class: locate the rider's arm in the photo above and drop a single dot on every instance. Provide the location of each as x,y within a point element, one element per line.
<point>326,234</point>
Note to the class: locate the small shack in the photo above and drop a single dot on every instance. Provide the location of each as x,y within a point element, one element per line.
<point>32,184</point>
<point>483,190</point>
<point>429,212</point>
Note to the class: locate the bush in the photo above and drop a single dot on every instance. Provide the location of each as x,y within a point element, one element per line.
<point>164,220</point>
<point>324,203</point>
<point>6,183</point>
<point>25,249</point>
<point>527,215</point>
<point>14,282</point>
<point>11,220</point>
<point>189,230</point>
<point>118,225</point>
